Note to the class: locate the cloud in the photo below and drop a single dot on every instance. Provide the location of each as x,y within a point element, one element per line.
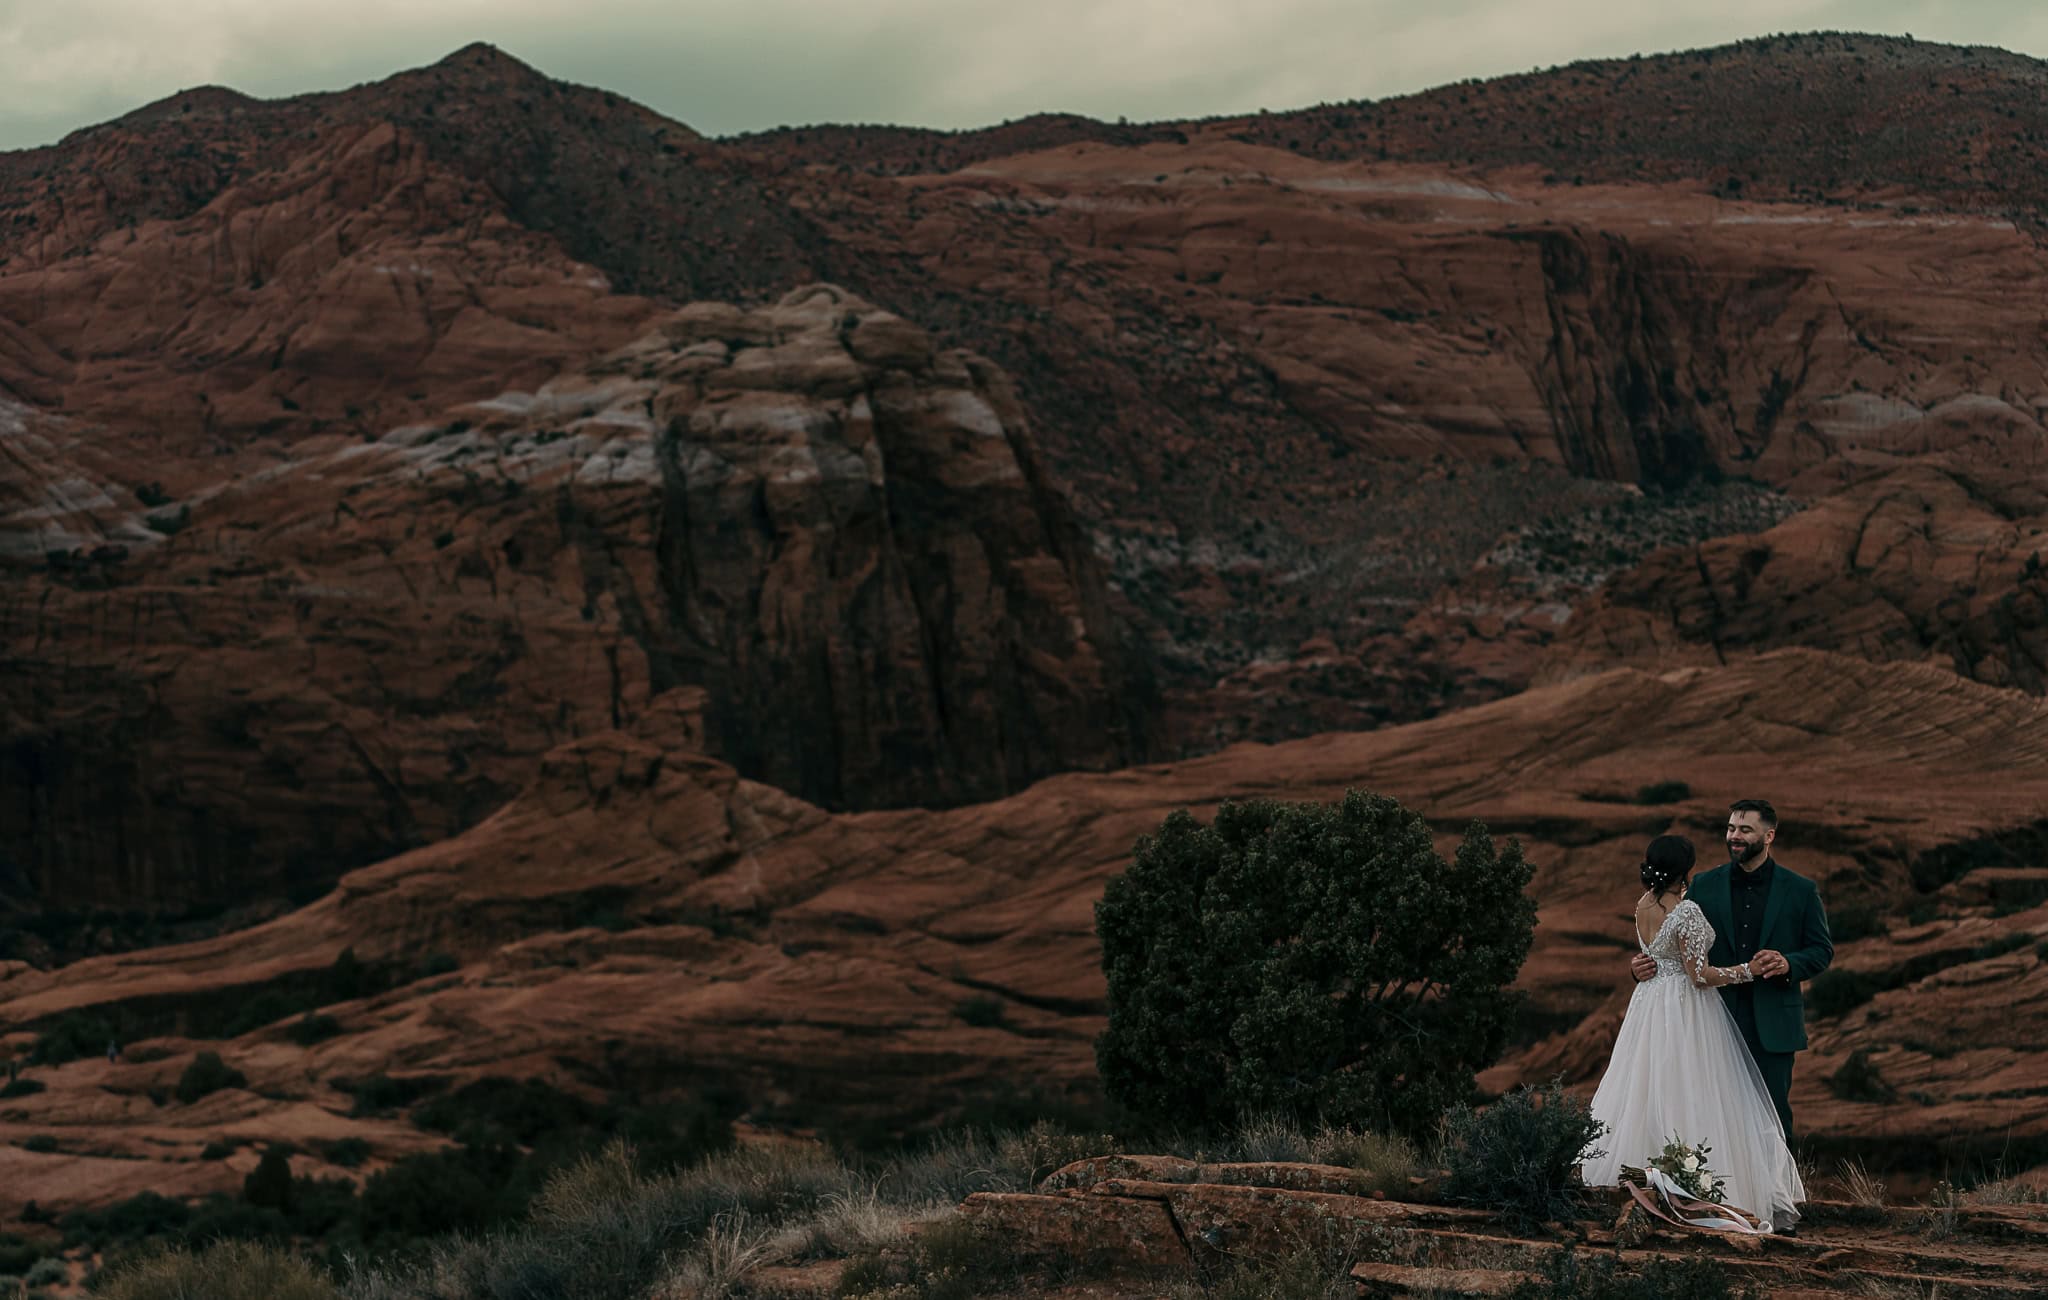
<point>725,67</point>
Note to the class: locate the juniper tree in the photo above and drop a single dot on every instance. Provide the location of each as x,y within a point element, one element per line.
<point>1320,961</point>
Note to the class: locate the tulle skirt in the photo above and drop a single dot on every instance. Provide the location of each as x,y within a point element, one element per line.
<point>1680,1071</point>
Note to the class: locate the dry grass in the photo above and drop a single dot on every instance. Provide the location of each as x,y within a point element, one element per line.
<point>228,1270</point>
<point>1391,1160</point>
<point>1860,1187</point>
<point>717,1269</point>
<point>1044,1150</point>
<point>2006,1191</point>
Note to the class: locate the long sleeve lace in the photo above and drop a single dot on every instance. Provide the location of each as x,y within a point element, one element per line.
<point>1695,940</point>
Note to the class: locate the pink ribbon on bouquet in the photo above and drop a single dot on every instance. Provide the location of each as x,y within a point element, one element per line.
<point>1689,1211</point>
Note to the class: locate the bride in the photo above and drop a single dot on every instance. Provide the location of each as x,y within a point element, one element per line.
<point>1680,1069</point>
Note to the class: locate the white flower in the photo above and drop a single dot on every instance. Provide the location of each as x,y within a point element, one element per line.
<point>1690,1164</point>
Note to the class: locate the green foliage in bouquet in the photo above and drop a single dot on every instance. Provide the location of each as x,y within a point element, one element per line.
<point>1685,1165</point>
<point>1314,961</point>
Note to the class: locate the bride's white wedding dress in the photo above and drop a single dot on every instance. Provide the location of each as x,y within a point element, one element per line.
<point>1680,1070</point>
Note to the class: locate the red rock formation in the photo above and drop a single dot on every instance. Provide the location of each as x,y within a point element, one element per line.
<point>368,489</point>
<point>1922,563</point>
<point>820,959</point>
<point>835,530</point>
<point>1294,370</point>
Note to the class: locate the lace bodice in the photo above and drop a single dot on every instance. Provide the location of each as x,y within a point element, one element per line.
<point>1681,945</point>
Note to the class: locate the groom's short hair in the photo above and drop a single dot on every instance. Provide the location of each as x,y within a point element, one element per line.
<point>1761,807</point>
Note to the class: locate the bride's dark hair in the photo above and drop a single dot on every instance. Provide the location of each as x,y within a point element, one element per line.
<point>1667,861</point>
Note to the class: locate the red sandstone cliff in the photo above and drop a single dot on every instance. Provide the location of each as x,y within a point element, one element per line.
<point>441,479</point>
<point>831,537</point>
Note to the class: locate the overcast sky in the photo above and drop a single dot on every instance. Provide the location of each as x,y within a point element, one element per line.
<point>739,65</point>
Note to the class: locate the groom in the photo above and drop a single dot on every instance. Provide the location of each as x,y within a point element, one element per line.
<point>1763,914</point>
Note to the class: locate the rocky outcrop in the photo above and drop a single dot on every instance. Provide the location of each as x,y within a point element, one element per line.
<point>355,285</point>
<point>650,915</point>
<point>1136,1225</point>
<point>1924,563</point>
<point>828,536</point>
<point>1291,384</point>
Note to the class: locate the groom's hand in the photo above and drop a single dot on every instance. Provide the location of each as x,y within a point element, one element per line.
<point>1769,964</point>
<point>1642,967</point>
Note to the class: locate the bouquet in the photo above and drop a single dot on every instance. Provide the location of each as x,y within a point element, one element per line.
<point>1685,1165</point>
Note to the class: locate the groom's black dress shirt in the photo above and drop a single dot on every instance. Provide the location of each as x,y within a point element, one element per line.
<point>1748,892</point>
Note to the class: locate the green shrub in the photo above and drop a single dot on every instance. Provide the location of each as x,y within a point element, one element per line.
<point>72,1038</point>
<point>679,1135</point>
<point>270,1182</point>
<point>207,1074</point>
<point>1570,1276</point>
<point>218,1149</point>
<point>1392,1160</point>
<point>1043,1150</point>
<point>981,1012</point>
<point>1859,1080</point>
<point>319,1206</point>
<point>347,1152</point>
<point>1834,992</point>
<point>18,1255</point>
<point>40,1143</point>
<point>463,1189</point>
<point>224,1218</point>
<point>519,1109</point>
<point>48,1271</point>
<point>21,1088</point>
<point>141,1216</point>
<point>226,1270</point>
<point>1850,923</point>
<point>265,1006</point>
<point>312,1028</point>
<point>380,1094</point>
<point>1519,1157</point>
<point>1319,961</point>
<point>1663,792</point>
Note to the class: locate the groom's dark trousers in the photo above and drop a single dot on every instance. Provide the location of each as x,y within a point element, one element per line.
<point>1770,907</point>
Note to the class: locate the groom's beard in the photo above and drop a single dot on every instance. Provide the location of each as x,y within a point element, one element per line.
<point>1743,857</point>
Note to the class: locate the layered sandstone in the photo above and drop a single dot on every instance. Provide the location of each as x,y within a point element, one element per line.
<point>804,539</point>
<point>1924,562</point>
<point>819,961</point>
<point>1298,372</point>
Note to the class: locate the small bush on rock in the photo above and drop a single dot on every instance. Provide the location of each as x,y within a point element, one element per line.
<point>48,1271</point>
<point>1314,961</point>
<point>1663,792</point>
<point>1834,992</point>
<point>18,1255</point>
<point>1859,1080</point>
<point>1391,1161</point>
<point>1520,1156</point>
<point>207,1074</point>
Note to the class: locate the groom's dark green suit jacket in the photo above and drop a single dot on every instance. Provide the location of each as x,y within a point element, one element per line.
<point>1795,924</point>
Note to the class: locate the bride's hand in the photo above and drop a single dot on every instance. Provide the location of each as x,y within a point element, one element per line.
<point>1769,964</point>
